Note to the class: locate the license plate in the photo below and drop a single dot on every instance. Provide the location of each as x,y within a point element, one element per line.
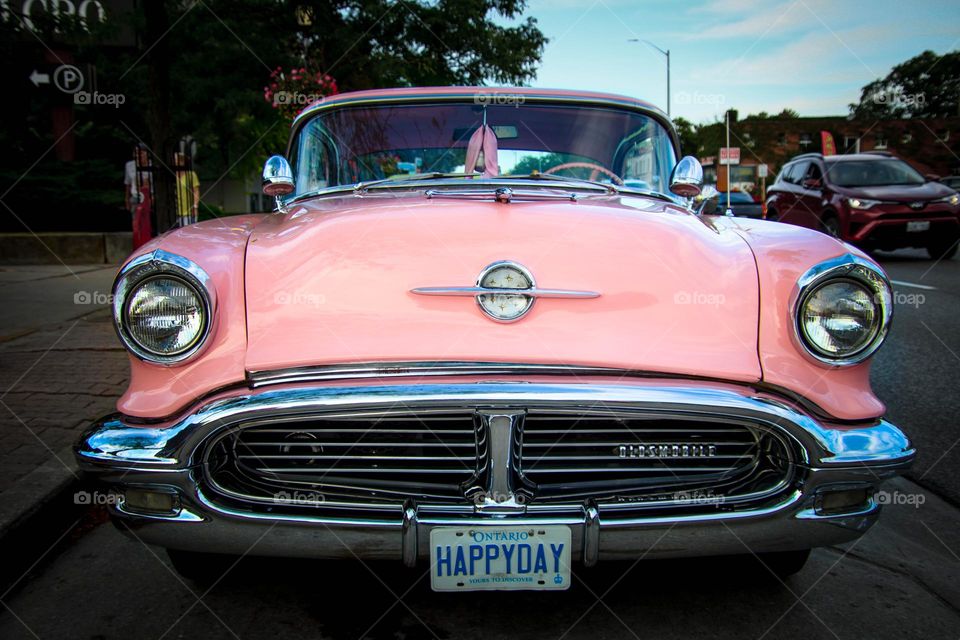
<point>918,225</point>
<point>500,558</point>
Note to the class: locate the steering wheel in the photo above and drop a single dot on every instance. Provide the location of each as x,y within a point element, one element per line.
<point>587,165</point>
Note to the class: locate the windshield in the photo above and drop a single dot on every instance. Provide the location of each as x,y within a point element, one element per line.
<point>350,145</point>
<point>869,173</point>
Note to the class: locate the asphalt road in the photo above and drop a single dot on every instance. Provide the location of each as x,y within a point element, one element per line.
<point>917,372</point>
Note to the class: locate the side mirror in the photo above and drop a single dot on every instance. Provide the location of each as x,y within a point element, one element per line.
<point>811,183</point>
<point>686,179</point>
<point>277,179</point>
<point>932,177</point>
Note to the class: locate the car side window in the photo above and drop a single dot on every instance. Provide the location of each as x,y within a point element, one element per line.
<point>787,174</point>
<point>796,172</point>
<point>814,173</point>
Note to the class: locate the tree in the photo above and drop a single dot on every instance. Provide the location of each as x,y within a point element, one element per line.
<point>689,144</point>
<point>925,86</point>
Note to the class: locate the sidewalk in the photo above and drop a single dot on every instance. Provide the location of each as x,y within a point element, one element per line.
<point>60,367</point>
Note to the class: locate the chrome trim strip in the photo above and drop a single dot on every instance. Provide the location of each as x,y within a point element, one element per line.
<point>359,371</point>
<point>502,194</point>
<point>163,263</point>
<point>847,266</point>
<point>112,443</point>
<point>410,544</point>
<point>591,535</point>
<point>475,291</point>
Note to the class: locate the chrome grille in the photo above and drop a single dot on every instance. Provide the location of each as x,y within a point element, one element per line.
<point>380,460</point>
<point>623,454</point>
<point>385,457</point>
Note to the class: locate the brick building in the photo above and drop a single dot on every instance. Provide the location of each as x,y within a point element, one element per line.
<point>932,146</point>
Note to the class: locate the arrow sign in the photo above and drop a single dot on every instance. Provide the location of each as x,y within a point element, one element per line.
<point>38,78</point>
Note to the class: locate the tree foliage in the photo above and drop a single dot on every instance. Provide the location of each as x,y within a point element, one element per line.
<point>925,86</point>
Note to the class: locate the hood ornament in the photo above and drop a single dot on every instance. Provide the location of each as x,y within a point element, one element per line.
<point>505,291</point>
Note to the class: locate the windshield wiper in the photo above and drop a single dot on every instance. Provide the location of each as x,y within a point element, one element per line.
<point>609,186</point>
<point>361,187</point>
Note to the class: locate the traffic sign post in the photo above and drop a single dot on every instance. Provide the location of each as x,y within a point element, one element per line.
<point>762,171</point>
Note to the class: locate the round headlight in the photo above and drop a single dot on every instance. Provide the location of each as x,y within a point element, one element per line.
<point>165,315</point>
<point>164,307</point>
<point>843,310</point>
<point>840,318</point>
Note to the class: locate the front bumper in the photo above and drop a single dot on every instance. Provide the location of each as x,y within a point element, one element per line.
<point>833,458</point>
<point>888,229</point>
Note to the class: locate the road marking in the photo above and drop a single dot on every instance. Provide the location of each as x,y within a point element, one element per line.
<point>915,286</point>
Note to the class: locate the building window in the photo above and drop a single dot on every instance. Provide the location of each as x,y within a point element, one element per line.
<point>880,142</point>
<point>782,138</point>
<point>851,144</point>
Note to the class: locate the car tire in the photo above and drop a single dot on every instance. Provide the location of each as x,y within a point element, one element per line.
<point>784,564</point>
<point>943,249</point>
<point>830,225</point>
<point>204,569</point>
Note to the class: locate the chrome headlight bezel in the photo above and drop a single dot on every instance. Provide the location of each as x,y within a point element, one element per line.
<point>843,268</point>
<point>159,263</point>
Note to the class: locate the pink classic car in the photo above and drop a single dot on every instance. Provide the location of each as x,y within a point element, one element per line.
<point>490,332</point>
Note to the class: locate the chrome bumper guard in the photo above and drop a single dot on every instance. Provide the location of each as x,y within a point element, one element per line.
<point>164,458</point>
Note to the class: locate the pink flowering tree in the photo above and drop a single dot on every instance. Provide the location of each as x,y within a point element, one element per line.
<point>292,91</point>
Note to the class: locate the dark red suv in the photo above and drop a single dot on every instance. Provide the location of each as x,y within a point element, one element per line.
<point>872,200</point>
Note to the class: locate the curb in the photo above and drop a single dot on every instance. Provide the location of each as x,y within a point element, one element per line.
<point>37,514</point>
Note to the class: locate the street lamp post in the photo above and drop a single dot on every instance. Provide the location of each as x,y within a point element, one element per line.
<point>667,54</point>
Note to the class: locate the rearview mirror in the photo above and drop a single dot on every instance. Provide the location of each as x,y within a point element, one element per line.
<point>686,179</point>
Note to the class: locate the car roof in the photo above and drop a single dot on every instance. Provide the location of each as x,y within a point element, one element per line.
<point>478,94</point>
<point>849,157</point>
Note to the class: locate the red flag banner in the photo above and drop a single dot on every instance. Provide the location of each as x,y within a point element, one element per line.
<point>827,144</point>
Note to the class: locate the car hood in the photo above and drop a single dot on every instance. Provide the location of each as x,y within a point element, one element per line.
<point>330,282</point>
<point>899,192</point>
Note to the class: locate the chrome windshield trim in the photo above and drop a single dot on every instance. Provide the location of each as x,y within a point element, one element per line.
<point>500,194</point>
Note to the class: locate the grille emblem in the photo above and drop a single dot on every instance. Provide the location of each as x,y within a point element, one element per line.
<point>670,450</point>
<point>505,291</point>
<point>916,205</point>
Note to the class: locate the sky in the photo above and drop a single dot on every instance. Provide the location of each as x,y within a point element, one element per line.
<point>751,55</point>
